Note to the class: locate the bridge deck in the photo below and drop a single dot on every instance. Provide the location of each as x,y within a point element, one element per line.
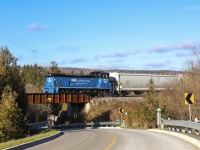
<point>43,98</point>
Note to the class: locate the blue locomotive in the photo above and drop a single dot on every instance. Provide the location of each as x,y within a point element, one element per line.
<point>95,84</point>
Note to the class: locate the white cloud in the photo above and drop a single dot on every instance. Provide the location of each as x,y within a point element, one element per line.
<point>156,65</point>
<point>109,66</point>
<point>117,54</point>
<point>69,48</point>
<point>36,27</point>
<point>175,47</point>
<point>193,7</point>
<point>78,60</point>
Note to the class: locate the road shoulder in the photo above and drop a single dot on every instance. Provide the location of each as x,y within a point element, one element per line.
<point>184,137</point>
<point>35,142</point>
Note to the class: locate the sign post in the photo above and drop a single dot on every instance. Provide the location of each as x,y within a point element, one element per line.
<point>159,117</point>
<point>190,112</point>
<point>189,99</point>
<point>48,101</point>
<point>126,119</point>
<point>75,116</point>
<point>36,118</point>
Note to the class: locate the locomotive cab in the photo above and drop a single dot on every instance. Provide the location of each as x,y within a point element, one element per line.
<point>100,74</point>
<point>50,85</point>
<point>103,85</point>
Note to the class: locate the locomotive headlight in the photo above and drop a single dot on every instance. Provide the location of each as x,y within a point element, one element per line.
<point>49,80</point>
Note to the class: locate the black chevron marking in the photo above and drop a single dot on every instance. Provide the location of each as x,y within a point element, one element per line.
<point>121,110</point>
<point>188,98</point>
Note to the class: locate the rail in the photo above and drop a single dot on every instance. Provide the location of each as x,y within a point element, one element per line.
<point>181,125</point>
<point>39,125</point>
<point>90,124</point>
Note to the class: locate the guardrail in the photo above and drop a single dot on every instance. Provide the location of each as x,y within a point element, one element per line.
<point>181,125</point>
<point>39,125</point>
<point>46,124</point>
<point>84,125</point>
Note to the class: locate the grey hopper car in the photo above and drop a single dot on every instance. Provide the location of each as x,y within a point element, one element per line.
<point>126,83</point>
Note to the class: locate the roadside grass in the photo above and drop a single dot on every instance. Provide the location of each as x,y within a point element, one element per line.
<point>27,139</point>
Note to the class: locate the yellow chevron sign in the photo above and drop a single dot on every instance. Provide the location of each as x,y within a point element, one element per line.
<point>64,107</point>
<point>121,110</point>
<point>189,98</point>
<point>75,115</point>
<point>48,100</point>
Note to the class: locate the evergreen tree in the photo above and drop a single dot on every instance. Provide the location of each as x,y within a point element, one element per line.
<point>10,76</point>
<point>11,117</point>
<point>152,94</point>
<point>151,104</point>
<point>33,76</point>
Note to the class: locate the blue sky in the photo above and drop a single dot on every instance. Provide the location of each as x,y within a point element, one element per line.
<point>102,34</point>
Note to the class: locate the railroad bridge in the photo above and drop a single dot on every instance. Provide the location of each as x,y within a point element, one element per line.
<point>43,98</point>
<point>76,103</point>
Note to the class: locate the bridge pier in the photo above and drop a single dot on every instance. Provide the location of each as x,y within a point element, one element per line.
<point>69,110</point>
<point>87,107</point>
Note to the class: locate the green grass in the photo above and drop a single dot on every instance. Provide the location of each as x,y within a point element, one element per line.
<point>27,139</point>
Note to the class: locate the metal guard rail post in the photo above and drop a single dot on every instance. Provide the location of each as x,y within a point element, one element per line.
<point>181,125</point>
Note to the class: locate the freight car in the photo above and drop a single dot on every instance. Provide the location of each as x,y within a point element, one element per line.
<point>96,83</point>
<point>125,83</point>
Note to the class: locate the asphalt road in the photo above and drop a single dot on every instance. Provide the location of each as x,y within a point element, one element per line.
<point>114,139</point>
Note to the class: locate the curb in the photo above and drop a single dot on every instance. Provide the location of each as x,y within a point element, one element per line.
<point>178,135</point>
<point>35,142</point>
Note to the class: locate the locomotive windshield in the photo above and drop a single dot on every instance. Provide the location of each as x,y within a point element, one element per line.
<point>104,75</point>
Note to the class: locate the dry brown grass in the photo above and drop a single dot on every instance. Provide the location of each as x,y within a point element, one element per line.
<point>108,110</point>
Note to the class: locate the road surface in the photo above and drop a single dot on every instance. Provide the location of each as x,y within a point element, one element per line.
<point>114,139</point>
